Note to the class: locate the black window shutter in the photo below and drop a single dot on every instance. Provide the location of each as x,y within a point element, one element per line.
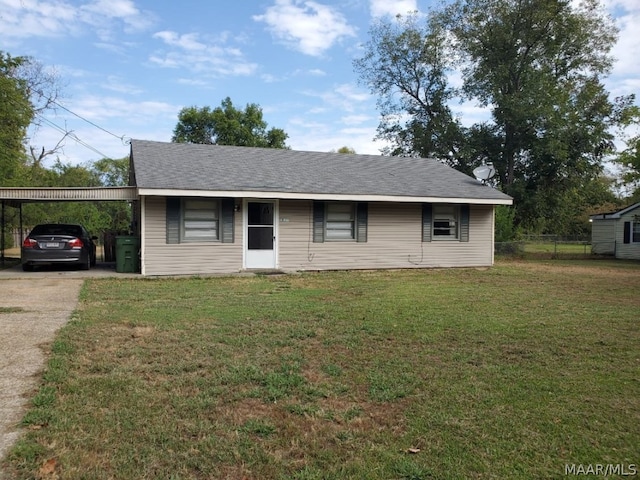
<point>426,222</point>
<point>173,219</point>
<point>464,223</point>
<point>226,223</point>
<point>627,232</point>
<point>362,219</point>
<point>318,221</point>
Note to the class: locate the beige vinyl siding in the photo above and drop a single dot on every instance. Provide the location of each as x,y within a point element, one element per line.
<point>394,241</point>
<point>603,237</point>
<point>626,251</point>
<point>160,258</point>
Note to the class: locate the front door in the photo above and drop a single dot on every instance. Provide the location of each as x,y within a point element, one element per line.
<point>260,251</point>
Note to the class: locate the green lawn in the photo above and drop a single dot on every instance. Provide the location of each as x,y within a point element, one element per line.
<point>512,372</point>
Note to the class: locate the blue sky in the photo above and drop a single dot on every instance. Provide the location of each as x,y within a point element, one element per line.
<point>129,66</point>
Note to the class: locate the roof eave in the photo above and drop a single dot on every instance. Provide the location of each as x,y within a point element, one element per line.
<point>614,215</point>
<point>321,196</point>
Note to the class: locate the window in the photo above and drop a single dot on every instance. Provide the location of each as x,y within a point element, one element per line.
<point>635,236</point>
<point>200,220</point>
<point>340,221</point>
<point>445,222</point>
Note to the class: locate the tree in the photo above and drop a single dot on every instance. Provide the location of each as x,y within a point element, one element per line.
<point>536,66</point>
<point>406,64</point>
<point>16,112</point>
<point>226,125</point>
<point>344,149</point>
<point>96,216</point>
<point>27,89</point>
<point>629,157</point>
<point>112,172</point>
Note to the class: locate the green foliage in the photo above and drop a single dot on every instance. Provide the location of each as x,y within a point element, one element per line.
<point>563,207</point>
<point>629,158</point>
<point>112,172</point>
<point>409,55</point>
<point>16,113</point>
<point>227,125</point>
<point>505,230</point>
<point>537,66</point>
<point>346,149</point>
<point>25,89</point>
<point>96,216</point>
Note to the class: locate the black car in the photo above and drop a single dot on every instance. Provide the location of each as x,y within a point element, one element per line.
<point>56,243</point>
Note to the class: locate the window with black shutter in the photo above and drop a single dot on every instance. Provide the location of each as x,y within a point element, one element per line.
<point>199,219</point>
<point>340,221</point>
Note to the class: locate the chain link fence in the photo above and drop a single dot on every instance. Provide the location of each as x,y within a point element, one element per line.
<point>546,246</point>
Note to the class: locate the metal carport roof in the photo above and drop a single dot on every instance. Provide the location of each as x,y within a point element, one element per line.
<point>16,196</point>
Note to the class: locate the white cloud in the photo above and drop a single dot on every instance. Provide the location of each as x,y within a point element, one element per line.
<point>269,78</point>
<point>27,18</point>
<point>124,9</point>
<point>355,119</point>
<point>117,84</point>
<point>119,49</point>
<point>187,41</point>
<point>201,55</point>
<point>314,72</point>
<point>627,50</point>
<point>327,138</point>
<point>49,18</point>
<point>625,76</point>
<point>345,97</point>
<point>121,119</point>
<point>306,26</point>
<point>381,8</point>
<point>97,108</point>
<point>470,113</point>
<point>342,117</point>
<point>195,82</point>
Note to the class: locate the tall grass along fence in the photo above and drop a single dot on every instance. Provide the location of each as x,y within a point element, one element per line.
<point>547,246</point>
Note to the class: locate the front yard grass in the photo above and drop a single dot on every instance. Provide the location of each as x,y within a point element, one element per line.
<point>516,371</point>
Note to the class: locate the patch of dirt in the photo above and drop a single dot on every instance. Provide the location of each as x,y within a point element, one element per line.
<point>31,311</point>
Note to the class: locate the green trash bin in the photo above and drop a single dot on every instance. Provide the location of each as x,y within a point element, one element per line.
<point>127,254</point>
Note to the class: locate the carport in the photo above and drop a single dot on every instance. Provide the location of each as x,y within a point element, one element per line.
<point>15,197</point>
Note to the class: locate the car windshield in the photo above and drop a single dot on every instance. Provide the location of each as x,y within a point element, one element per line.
<point>73,230</point>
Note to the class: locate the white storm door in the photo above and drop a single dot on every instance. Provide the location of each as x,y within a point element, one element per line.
<point>260,245</point>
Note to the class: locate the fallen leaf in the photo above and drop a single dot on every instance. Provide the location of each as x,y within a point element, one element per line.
<point>414,450</point>
<point>49,467</point>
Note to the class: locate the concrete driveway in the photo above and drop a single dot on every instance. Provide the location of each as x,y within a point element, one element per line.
<point>31,311</point>
<point>33,306</point>
<point>102,269</point>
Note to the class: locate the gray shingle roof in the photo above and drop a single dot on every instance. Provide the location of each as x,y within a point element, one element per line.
<point>180,166</point>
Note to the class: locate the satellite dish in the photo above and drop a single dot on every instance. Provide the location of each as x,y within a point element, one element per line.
<point>484,172</point>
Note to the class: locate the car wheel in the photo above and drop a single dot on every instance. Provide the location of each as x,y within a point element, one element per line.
<point>86,265</point>
<point>27,267</point>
